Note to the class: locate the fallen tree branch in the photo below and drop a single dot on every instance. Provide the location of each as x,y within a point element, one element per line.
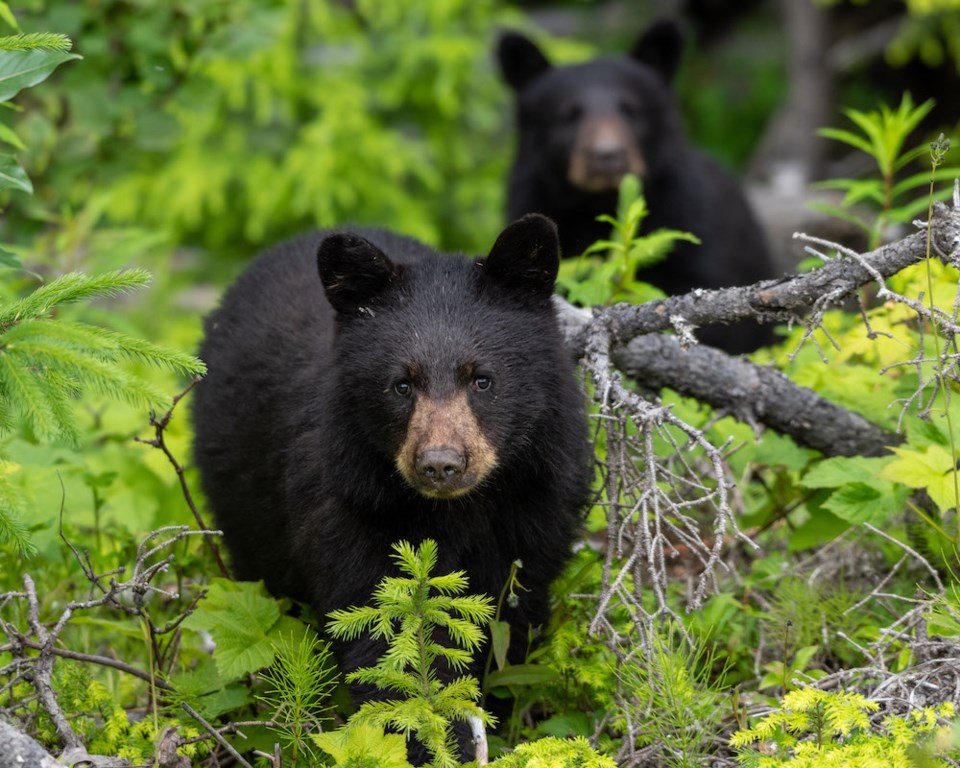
<point>749,392</point>
<point>753,394</point>
<point>779,299</point>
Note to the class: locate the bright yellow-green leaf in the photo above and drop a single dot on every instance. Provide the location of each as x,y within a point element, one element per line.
<point>932,468</point>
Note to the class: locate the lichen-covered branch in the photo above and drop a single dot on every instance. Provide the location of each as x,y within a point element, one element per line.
<point>18,750</point>
<point>752,393</point>
<point>789,296</point>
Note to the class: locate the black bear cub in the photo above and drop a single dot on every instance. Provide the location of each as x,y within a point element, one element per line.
<point>583,127</point>
<point>364,389</point>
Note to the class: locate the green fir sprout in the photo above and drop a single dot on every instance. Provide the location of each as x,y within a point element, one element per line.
<point>300,683</point>
<point>551,751</point>
<point>414,613</point>
<point>36,41</point>
<point>815,728</point>
<point>606,272</point>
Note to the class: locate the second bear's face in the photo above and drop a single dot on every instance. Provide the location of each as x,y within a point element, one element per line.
<point>448,363</point>
<point>591,124</point>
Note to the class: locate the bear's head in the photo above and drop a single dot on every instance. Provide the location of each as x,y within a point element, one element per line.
<point>593,123</point>
<point>446,364</point>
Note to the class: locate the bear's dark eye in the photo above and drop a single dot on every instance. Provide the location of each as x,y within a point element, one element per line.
<point>628,109</point>
<point>482,383</point>
<point>571,113</point>
<point>403,388</point>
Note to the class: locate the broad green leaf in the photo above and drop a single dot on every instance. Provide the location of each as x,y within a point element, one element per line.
<point>500,638</point>
<point>7,15</point>
<point>841,470</point>
<point>362,744</point>
<point>866,503</point>
<point>238,615</point>
<point>7,135</point>
<point>202,687</point>
<point>12,175</point>
<point>11,260</point>
<point>823,526</point>
<point>521,674</point>
<point>24,69</point>
<point>778,450</point>
<point>568,724</point>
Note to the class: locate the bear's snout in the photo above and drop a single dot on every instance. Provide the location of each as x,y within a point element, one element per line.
<point>605,151</point>
<point>445,453</point>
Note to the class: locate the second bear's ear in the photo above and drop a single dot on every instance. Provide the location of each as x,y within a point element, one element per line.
<point>353,271</point>
<point>526,257</point>
<point>520,59</point>
<point>660,48</point>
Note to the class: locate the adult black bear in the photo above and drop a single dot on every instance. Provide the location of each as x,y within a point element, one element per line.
<point>583,127</point>
<point>364,389</point>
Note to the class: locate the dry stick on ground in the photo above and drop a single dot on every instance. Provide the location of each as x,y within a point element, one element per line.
<point>158,442</point>
<point>18,750</point>
<point>35,651</point>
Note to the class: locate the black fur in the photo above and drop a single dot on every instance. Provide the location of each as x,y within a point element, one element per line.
<point>684,188</point>
<point>297,423</point>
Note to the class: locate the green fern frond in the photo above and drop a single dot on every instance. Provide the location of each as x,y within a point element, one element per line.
<point>89,373</point>
<point>103,343</point>
<point>450,584</point>
<point>386,680</point>
<point>13,531</point>
<point>349,624</point>
<point>44,41</point>
<point>71,288</point>
<point>49,362</point>
<point>29,394</point>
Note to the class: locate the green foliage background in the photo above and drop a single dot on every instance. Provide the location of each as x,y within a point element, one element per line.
<point>194,132</point>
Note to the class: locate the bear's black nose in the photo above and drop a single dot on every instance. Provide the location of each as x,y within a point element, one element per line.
<point>606,159</point>
<point>442,466</point>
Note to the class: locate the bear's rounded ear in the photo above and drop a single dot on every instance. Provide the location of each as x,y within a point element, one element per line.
<point>525,257</point>
<point>660,48</point>
<point>520,59</point>
<point>353,271</point>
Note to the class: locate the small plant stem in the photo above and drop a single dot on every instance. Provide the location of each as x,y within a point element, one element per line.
<point>421,599</point>
<point>151,667</point>
<point>786,665</point>
<point>937,150</point>
<point>496,617</point>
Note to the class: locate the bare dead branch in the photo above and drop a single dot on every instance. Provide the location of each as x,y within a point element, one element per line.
<point>159,426</point>
<point>88,658</point>
<point>35,649</point>
<point>752,393</point>
<point>215,734</point>
<point>780,299</point>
